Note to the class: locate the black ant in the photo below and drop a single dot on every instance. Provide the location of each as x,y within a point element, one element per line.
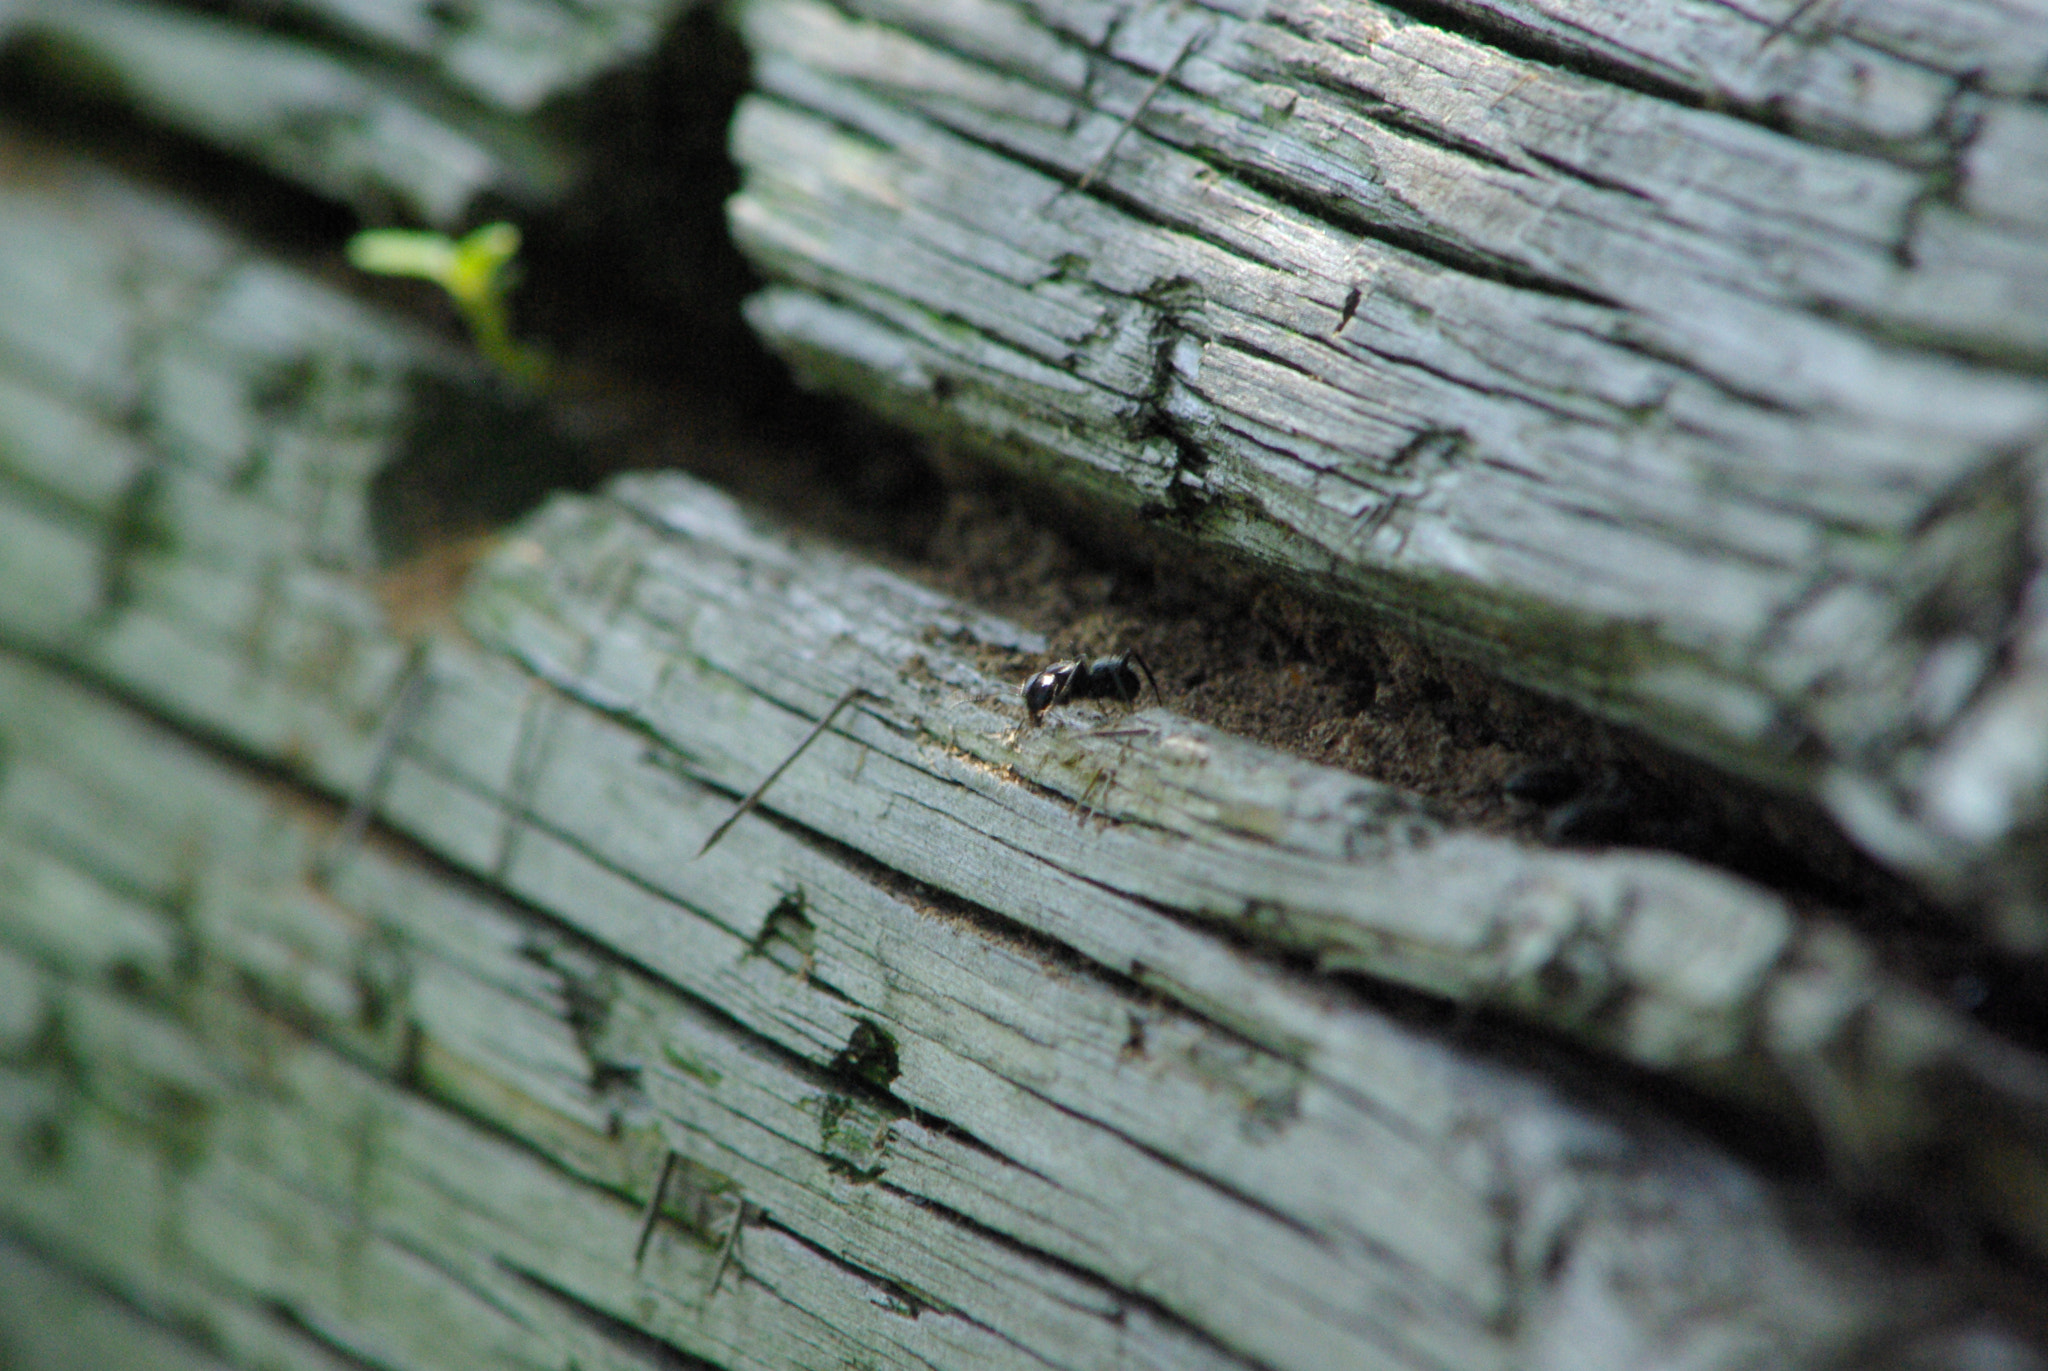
<point>1104,678</point>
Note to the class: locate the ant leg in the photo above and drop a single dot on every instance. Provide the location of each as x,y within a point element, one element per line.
<point>1142,666</point>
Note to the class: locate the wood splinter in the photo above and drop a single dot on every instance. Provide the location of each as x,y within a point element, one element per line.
<point>653,1211</point>
<point>668,1169</point>
<point>392,731</point>
<point>1193,41</point>
<point>842,702</point>
<point>725,1251</point>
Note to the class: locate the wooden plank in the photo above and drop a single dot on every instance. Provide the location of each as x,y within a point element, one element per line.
<point>335,101</point>
<point>291,1147</point>
<point>512,55</point>
<point>385,1222</point>
<point>50,1319</point>
<point>330,121</point>
<point>1088,837</point>
<point>1597,374</point>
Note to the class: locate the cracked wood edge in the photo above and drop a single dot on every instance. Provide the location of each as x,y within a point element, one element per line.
<point>281,1128</point>
<point>1877,74</point>
<point>1730,434</point>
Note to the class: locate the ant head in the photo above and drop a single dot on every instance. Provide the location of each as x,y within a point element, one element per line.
<point>1042,691</point>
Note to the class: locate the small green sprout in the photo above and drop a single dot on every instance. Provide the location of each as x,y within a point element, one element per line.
<point>474,272</point>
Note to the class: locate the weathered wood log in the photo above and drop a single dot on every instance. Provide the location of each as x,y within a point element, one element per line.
<point>336,121</point>
<point>979,1045</point>
<point>411,111</point>
<point>1683,360</point>
<point>404,1113</point>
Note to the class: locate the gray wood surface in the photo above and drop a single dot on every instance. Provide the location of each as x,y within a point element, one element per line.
<point>366,1107</point>
<point>978,1045</point>
<point>334,101</point>
<point>1684,360</point>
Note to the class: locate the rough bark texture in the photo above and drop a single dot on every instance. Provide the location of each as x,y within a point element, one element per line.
<point>977,1045</point>
<point>1684,360</point>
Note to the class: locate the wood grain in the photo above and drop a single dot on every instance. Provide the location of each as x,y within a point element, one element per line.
<point>1697,379</point>
<point>357,984</point>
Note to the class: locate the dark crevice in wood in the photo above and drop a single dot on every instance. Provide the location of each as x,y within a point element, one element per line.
<point>1393,117</point>
<point>429,493</point>
<point>1341,213</point>
<point>1529,398</point>
<point>456,1275</point>
<point>1914,1214</point>
<point>1590,178</point>
<point>1992,354</point>
<point>1482,23</point>
<point>1384,1256</point>
<point>287,219</point>
<point>289,1316</point>
<point>306,24</point>
<point>1238,342</point>
<point>642,1347</point>
<point>1125,1297</point>
<point>1789,1152</point>
<point>1676,803</point>
<point>1961,119</point>
<point>640,247</point>
<point>1626,338</point>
